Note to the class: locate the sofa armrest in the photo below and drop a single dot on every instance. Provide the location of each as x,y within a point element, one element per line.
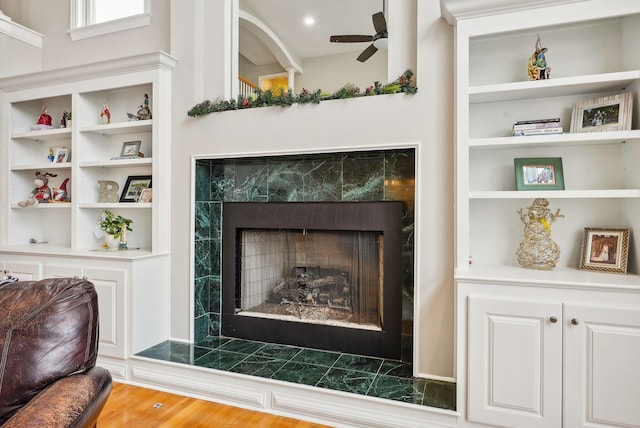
<point>73,401</point>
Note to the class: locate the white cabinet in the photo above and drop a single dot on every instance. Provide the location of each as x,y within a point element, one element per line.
<point>24,271</point>
<point>515,362</point>
<point>92,148</point>
<point>546,356</point>
<point>602,344</point>
<point>520,360</point>
<point>110,284</point>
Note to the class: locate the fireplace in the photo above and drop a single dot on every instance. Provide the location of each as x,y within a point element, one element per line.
<point>323,275</point>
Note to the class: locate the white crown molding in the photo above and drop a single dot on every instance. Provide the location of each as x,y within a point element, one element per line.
<point>87,71</point>
<point>20,32</point>
<point>454,10</point>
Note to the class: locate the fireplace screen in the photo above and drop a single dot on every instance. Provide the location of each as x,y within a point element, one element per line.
<point>314,276</point>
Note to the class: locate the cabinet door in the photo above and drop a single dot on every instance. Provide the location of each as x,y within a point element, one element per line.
<point>24,271</point>
<point>602,370</point>
<point>54,270</point>
<point>515,363</point>
<point>110,286</point>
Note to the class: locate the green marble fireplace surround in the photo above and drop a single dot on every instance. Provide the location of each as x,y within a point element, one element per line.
<point>380,175</point>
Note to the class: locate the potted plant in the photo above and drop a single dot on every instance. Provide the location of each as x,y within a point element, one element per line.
<point>67,119</point>
<point>114,227</point>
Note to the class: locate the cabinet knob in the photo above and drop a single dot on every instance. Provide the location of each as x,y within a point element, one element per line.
<point>553,320</point>
<point>574,321</point>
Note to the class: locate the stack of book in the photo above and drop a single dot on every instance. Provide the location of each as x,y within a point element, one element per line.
<point>537,127</point>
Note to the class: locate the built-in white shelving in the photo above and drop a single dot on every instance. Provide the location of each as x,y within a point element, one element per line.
<point>94,153</point>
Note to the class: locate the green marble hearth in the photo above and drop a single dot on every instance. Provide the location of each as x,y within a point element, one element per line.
<point>373,377</point>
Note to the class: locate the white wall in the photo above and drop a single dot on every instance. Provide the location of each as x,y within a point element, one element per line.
<point>197,39</point>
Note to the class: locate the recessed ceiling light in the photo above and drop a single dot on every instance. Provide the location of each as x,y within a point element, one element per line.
<point>309,20</point>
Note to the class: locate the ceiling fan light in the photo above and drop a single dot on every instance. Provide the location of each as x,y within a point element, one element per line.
<point>382,43</point>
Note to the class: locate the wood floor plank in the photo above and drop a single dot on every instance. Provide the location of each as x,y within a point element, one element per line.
<point>132,406</point>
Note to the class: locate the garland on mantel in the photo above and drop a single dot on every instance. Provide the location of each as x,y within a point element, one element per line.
<point>267,98</point>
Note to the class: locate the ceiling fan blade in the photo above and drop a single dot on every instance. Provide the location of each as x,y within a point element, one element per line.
<point>351,38</point>
<point>379,22</point>
<point>366,54</point>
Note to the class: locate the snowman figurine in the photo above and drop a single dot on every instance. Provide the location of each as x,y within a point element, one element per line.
<point>537,250</point>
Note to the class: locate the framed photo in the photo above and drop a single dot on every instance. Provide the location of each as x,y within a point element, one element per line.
<point>611,113</point>
<point>134,186</point>
<point>146,195</point>
<point>61,155</point>
<point>539,174</point>
<point>130,149</point>
<point>605,250</point>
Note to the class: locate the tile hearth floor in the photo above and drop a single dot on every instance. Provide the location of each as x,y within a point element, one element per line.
<point>374,377</point>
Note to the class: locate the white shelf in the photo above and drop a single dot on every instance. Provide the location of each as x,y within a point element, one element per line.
<point>568,139</point>
<point>609,82</point>
<point>45,206</point>
<point>119,128</point>
<point>558,194</point>
<point>558,277</point>
<point>41,166</point>
<point>116,205</point>
<point>120,163</point>
<point>44,135</point>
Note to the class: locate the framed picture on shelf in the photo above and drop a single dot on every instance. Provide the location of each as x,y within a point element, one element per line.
<point>611,113</point>
<point>605,250</point>
<point>146,195</point>
<point>130,149</point>
<point>134,186</point>
<point>539,174</point>
<point>61,155</point>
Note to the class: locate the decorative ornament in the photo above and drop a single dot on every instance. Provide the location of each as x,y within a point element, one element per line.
<point>537,250</point>
<point>105,114</point>
<point>269,98</point>
<point>44,121</point>
<point>538,69</point>
<point>143,113</point>
<point>41,192</point>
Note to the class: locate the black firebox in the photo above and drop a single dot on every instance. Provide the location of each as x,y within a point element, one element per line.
<point>314,274</point>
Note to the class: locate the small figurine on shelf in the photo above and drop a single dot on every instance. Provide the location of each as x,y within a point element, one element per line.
<point>51,156</point>
<point>105,114</point>
<point>538,69</point>
<point>44,121</point>
<point>537,250</point>
<point>144,112</point>
<point>60,194</point>
<point>41,193</point>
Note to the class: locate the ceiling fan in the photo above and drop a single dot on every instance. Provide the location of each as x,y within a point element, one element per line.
<point>378,40</point>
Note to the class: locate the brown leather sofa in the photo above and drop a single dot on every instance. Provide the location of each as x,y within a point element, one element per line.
<point>48,351</point>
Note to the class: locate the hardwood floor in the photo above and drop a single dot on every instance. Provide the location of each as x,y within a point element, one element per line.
<point>132,406</point>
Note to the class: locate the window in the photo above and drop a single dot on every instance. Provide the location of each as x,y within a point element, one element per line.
<point>90,18</point>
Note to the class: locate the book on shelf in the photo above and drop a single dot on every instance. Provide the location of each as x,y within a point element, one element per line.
<point>538,131</point>
<point>528,122</point>
<point>536,126</point>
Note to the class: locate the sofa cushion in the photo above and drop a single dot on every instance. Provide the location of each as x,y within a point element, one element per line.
<point>48,330</point>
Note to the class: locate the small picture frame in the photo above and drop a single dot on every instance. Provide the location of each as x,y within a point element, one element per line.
<point>612,113</point>
<point>539,173</point>
<point>130,149</point>
<point>61,155</point>
<point>134,186</point>
<point>146,195</point>
<point>605,250</point>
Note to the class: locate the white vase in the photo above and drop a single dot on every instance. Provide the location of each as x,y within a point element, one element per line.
<point>112,243</point>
